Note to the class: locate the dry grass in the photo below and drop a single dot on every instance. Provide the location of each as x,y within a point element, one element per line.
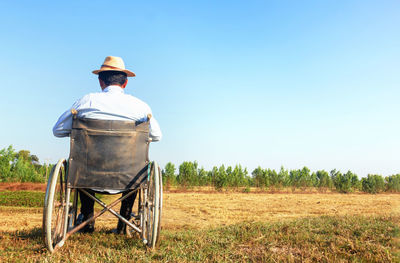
<point>229,227</point>
<point>199,210</point>
<point>317,239</point>
<point>204,210</point>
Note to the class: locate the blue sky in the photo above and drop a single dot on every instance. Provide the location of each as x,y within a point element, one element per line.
<point>269,83</point>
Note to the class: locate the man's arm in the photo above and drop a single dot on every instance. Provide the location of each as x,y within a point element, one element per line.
<point>155,131</point>
<point>63,126</point>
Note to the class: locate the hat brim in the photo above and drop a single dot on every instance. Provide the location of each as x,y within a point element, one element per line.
<point>127,72</point>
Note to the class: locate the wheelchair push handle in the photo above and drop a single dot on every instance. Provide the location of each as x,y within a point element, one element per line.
<point>74,113</point>
<point>149,140</point>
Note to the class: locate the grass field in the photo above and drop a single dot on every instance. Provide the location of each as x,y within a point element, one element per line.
<point>226,227</point>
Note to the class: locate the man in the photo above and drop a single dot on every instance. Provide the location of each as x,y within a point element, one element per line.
<point>110,104</point>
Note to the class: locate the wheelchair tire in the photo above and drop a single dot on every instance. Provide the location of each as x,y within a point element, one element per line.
<point>153,207</point>
<point>54,225</point>
<point>161,203</point>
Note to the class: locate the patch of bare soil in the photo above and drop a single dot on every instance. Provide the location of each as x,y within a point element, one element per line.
<point>23,186</point>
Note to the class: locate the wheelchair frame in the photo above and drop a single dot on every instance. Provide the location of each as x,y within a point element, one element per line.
<point>61,207</point>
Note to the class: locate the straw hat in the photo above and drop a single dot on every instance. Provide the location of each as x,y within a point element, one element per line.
<point>114,64</point>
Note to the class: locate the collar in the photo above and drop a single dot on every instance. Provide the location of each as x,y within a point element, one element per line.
<point>113,88</point>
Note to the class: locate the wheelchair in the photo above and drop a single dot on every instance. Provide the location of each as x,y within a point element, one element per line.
<point>104,155</point>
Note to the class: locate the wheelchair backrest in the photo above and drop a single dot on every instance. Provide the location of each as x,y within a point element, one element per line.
<point>108,154</point>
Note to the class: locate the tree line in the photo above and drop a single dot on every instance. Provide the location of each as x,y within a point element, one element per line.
<point>189,175</point>
<point>22,166</point>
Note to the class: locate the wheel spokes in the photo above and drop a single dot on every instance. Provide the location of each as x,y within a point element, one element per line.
<point>58,227</point>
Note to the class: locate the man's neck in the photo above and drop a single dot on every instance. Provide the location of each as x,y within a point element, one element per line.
<point>113,87</point>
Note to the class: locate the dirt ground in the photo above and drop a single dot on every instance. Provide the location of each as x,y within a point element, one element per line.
<point>193,210</point>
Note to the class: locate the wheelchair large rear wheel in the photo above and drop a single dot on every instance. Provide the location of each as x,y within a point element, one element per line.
<point>55,208</point>
<point>153,206</point>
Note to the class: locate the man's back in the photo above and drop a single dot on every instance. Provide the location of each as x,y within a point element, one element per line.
<point>110,104</point>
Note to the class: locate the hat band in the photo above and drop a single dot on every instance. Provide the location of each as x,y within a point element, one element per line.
<point>112,67</point>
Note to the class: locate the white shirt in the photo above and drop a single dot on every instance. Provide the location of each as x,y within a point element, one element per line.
<point>110,104</point>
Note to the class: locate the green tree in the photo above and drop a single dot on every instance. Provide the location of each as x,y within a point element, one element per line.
<point>203,177</point>
<point>272,178</point>
<point>187,177</point>
<point>260,178</point>
<point>20,167</point>
<point>213,175</point>
<point>169,176</point>
<point>300,178</point>
<point>24,155</point>
<point>239,176</point>
<point>229,176</point>
<point>373,184</point>
<point>24,171</point>
<point>305,179</point>
<point>7,157</point>
<point>221,180</point>
<point>344,183</point>
<point>324,182</point>
<point>34,158</point>
<point>294,176</point>
<point>355,182</point>
<point>393,183</point>
<point>283,175</point>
